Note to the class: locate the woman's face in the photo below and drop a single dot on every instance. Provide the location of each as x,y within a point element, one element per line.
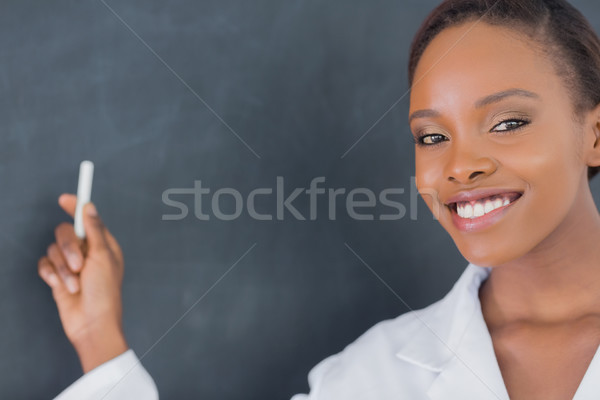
<point>496,126</point>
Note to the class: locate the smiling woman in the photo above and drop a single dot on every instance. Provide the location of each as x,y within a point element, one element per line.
<point>505,114</point>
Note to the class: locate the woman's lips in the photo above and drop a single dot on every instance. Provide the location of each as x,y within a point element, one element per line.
<point>481,222</point>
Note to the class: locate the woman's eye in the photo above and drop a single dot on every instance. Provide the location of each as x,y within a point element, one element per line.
<point>429,140</point>
<point>510,125</point>
<point>433,139</point>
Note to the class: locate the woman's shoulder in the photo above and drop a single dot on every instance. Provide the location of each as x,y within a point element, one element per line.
<point>435,323</point>
<point>369,367</point>
<point>396,356</point>
<point>391,335</point>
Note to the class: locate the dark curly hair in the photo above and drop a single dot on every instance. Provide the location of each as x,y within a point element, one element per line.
<point>561,30</point>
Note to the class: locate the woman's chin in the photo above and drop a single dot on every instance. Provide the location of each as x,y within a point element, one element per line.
<point>485,255</point>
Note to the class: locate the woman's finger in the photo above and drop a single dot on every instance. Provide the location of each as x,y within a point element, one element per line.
<point>113,244</point>
<point>70,245</point>
<point>47,273</point>
<point>70,280</point>
<point>68,202</point>
<point>94,229</point>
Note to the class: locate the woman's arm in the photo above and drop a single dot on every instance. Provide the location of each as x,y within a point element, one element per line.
<point>86,277</point>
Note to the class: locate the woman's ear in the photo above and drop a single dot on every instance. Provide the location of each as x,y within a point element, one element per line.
<point>592,137</point>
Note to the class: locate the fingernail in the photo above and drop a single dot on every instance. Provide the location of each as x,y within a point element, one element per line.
<point>52,279</point>
<point>91,210</point>
<point>72,285</point>
<point>74,261</point>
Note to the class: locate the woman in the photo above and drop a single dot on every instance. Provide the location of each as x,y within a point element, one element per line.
<point>505,113</point>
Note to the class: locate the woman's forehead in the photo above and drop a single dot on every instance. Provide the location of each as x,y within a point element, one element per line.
<point>464,63</point>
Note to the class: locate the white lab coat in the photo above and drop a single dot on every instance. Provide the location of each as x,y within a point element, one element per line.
<point>441,352</point>
<point>122,378</point>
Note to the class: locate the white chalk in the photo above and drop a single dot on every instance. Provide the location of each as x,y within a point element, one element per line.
<point>84,194</point>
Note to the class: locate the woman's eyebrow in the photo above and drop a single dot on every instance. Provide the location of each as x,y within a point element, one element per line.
<point>427,113</point>
<point>485,101</point>
<point>496,97</point>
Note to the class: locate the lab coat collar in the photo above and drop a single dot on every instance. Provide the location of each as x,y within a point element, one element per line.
<point>451,338</point>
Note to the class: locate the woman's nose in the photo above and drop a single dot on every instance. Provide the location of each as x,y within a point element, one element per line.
<point>467,164</point>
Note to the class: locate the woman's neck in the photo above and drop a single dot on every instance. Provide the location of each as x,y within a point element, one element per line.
<point>558,281</point>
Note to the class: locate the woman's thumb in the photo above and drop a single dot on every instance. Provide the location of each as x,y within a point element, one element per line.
<point>94,227</point>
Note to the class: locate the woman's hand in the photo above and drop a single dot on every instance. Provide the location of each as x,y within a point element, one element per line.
<point>86,277</point>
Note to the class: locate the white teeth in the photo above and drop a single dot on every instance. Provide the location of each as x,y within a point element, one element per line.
<point>468,211</point>
<point>478,210</point>
<point>488,206</point>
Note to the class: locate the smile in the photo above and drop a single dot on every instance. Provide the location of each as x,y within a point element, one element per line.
<point>475,215</point>
<point>475,209</point>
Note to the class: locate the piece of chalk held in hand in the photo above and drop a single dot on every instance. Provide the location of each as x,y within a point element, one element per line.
<point>84,194</point>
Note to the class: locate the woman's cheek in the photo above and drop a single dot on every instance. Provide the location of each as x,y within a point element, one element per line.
<point>427,181</point>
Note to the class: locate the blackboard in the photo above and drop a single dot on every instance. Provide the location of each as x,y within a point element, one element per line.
<point>239,95</point>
